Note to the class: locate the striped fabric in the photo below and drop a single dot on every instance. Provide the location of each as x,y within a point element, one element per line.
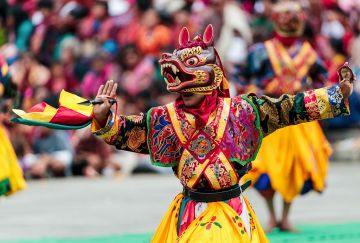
<point>69,115</point>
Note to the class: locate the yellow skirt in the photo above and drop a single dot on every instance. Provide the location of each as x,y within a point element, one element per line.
<point>291,156</point>
<point>11,176</point>
<point>217,223</point>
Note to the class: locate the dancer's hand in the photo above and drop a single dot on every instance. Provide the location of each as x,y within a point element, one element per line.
<point>347,78</point>
<point>105,92</point>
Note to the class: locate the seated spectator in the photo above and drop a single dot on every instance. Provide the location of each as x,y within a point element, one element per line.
<point>74,66</point>
<point>28,73</point>
<point>153,36</point>
<point>137,71</point>
<point>98,24</point>
<point>61,79</point>
<point>101,70</point>
<point>182,17</point>
<point>93,156</point>
<point>46,33</point>
<point>52,154</point>
<point>19,28</point>
<point>128,25</point>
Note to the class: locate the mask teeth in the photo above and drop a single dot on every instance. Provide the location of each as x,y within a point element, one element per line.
<point>174,69</point>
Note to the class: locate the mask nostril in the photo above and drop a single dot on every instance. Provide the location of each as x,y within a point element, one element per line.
<point>165,55</point>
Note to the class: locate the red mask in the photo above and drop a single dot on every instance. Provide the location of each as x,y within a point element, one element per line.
<point>194,67</point>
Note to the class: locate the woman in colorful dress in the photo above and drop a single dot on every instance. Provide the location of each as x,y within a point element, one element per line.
<point>11,176</point>
<point>209,139</point>
<point>292,161</point>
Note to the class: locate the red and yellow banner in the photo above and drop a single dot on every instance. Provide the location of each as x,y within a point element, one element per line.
<point>69,115</point>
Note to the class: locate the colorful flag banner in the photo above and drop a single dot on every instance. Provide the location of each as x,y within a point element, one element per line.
<point>69,115</point>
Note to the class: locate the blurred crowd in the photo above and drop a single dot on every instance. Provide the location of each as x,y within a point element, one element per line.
<point>77,45</point>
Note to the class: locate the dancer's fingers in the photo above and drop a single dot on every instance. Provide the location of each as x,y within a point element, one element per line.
<point>113,91</point>
<point>105,88</point>
<point>100,90</point>
<point>110,87</point>
<point>346,88</point>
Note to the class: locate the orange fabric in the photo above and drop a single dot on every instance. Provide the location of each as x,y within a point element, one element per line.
<point>152,41</point>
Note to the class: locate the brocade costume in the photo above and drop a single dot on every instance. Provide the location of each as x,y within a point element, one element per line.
<point>293,160</point>
<point>210,146</point>
<point>213,157</point>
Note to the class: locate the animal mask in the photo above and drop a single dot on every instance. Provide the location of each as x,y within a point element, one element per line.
<point>194,67</point>
<point>288,18</point>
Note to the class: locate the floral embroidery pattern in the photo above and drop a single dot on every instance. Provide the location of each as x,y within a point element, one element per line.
<point>201,146</point>
<point>203,143</point>
<point>137,136</point>
<point>237,221</point>
<point>188,170</point>
<point>165,149</point>
<point>299,108</point>
<point>335,96</point>
<point>221,174</point>
<point>336,101</point>
<point>210,223</point>
<point>242,138</point>
<point>252,223</point>
<point>130,136</point>
<point>243,133</point>
<point>311,105</point>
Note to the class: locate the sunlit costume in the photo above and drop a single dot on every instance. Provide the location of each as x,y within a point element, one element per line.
<point>11,176</point>
<point>211,146</point>
<point>294,160</point>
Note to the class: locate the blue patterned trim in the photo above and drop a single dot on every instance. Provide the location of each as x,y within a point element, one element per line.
<point>337,102</point>
<point>149,143</point>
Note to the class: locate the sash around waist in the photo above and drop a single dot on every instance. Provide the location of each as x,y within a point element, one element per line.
<point>218,195</point>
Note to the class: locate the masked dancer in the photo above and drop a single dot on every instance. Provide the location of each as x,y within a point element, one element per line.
<point>294,160</point>
<point>210,139</point>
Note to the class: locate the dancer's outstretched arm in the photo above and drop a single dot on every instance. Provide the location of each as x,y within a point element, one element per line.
<point>317,104</point>
<point>125,132</point>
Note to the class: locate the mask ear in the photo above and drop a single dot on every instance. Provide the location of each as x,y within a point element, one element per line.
<point>184,36</point>
<point>208,36</point>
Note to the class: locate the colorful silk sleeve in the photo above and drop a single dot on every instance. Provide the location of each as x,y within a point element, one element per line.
<point>317,104</point>
<point>124,132</point>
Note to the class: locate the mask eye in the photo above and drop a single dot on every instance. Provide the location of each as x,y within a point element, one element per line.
<point>192,61</point>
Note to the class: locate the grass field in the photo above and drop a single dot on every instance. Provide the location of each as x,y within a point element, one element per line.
<point>332,233</point>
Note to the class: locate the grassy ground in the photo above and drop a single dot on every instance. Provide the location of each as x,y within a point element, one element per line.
<point>331,233</point>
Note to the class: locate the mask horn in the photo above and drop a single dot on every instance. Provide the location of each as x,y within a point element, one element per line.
<point>184,36</point>
<point>208,36</point>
